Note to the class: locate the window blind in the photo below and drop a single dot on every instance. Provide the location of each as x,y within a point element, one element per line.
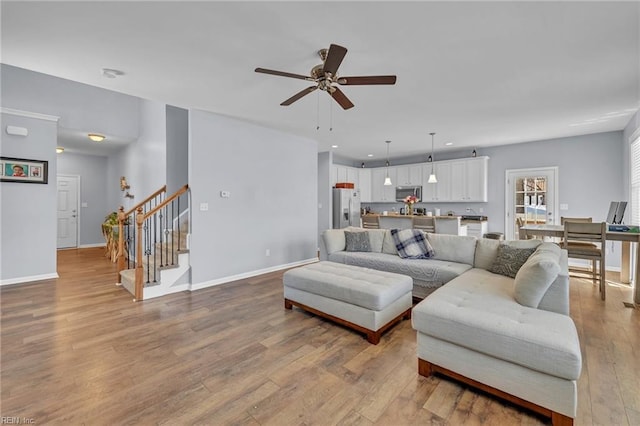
<point>635,182</point>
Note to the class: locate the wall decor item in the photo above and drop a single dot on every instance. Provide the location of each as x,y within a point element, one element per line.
<point>23,170</point>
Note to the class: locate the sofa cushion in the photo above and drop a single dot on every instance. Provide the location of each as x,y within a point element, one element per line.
<point>487,250</point>
<point>537,274</point>
<point>357,241</point>
<point>453,248</point>
<point>477,311</point>
<point>388,244</point>
<point>427,273</point>
<point>510,259</point>
<point>411,244</point>
<point>334,240</point>
<point>376,239</point>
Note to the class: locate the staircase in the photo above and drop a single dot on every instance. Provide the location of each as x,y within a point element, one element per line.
<point>153,254</point>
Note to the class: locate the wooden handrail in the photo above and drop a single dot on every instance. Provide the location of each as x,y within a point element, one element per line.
<point>146,200</point>
<point>167,200</point>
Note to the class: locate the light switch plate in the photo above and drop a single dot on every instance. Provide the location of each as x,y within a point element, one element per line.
<point>564,206</point>
<point>84,204</point>
<point>204,207</point>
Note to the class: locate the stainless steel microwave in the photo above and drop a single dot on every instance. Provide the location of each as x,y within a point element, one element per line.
<point>403,192</point>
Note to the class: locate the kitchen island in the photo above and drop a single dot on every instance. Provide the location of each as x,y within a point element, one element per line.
<point>444,224</point>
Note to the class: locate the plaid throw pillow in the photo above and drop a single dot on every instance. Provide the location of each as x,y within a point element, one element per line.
<point>412,244</point>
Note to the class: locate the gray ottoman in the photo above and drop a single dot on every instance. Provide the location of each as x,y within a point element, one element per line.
<point>366,300</point>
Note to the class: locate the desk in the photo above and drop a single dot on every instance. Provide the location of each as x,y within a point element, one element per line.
<point>625,237</point>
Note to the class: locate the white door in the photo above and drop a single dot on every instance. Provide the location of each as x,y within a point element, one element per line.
<point>531,194</point>
<point>68,211</point>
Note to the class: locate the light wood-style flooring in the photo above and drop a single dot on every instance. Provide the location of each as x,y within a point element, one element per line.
<point>77,350</point>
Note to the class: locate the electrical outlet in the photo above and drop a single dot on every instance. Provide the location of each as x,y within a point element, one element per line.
<point>204,207</point>
<point>225,194</point>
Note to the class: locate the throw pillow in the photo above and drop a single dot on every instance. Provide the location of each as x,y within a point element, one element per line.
<point>535,277</point>
<point>376,239</point>
<point>357,241</point>
<point>509,260</point>
<point>412,244</point>
<point>388,244</point>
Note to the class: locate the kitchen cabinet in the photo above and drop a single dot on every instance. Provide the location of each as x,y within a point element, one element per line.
<point>437,192</point>
<point>341,173</point>
<point>364,179</point>
<point>469,180</point>
<point>458,181</point>
<point>410,175</point>
<point>477,229</point>
<point>380,192</point>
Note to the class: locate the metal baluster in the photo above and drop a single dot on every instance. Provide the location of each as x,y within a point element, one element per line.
<point>135,241</point>
<point>147,251</point>
<point>153,246</point>
<point>166,229</point>
<point>179,240</point>
<point>161,238</point>
<point>172,222</point>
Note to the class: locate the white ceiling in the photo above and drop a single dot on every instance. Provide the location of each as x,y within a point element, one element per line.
<point>476,73</point>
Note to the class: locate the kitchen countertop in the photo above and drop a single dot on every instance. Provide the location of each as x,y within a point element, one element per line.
<point>409,216</point>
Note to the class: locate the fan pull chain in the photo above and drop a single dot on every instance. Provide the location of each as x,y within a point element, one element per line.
<point>318,110</point>
<point>330,116</point>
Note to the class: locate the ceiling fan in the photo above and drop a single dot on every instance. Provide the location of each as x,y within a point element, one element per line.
<point>326,76</point>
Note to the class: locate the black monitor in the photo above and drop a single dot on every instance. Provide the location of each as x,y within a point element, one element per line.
<point>616,212</point>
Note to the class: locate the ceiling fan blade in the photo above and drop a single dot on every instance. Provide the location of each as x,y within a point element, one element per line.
<point>334,58</point>
<point>284,74</point>
<point>341,98</point>
<point>371,79</point>
<point>299,95</point>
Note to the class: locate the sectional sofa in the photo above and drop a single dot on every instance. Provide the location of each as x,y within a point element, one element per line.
<point>506,331</point>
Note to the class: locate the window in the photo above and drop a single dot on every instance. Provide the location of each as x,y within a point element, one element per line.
<point>635,182</point>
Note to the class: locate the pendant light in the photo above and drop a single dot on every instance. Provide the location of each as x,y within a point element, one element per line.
<point>387,180</point>
<point>432,176</point>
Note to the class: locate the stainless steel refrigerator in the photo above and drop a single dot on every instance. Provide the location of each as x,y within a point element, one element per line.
<point>346,208</point>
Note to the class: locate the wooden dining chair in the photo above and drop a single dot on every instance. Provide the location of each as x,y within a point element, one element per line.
<point>371,221</point>
<point>587,240</point>
<point>426,224</point>
<point>522,234</point>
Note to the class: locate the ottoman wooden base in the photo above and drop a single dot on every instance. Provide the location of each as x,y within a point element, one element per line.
<point>373,336</point>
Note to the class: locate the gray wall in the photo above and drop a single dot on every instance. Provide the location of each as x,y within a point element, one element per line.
<point>271,177</point>
<point>324,193</point>
<point>590,174</point>
<point>142,162</point>
<point>177,148</point>
<point>78,105</point>
<point>92,170</point>
<point>28,222</point>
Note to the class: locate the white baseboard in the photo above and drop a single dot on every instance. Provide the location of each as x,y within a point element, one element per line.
<point>21,280</point>
<point>250,274</point>
<point>92,245</point>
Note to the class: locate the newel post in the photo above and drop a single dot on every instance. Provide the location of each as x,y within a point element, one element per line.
<point>139,273</point>
<point>120,254</point>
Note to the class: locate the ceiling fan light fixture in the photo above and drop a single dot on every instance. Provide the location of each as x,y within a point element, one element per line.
<point>387,179</point>
<point>96,137</point>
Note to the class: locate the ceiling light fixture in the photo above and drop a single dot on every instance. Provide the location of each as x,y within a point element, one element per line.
<point>449,143</point>
<point>334,146</point>
<point>432,176</point>
<point>59,150</point>
<point>96,137</point>
<point>369,155</point>
<point>111,73</point>
<point>387,180</point>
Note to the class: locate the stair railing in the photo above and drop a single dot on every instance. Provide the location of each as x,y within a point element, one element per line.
<point>127,229</point>
<point>152,240</point>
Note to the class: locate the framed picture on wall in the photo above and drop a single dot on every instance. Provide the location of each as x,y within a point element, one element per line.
<point>23,170</point>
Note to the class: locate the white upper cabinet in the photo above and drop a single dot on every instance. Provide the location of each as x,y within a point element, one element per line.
<point>469,180</point>
<point>379,191</point>
<point>458,180</point>
<point>364,179</point>
<point>409,175</point>
<point>478,179</point>
<point>463,180</point>
<point>344,174</point>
